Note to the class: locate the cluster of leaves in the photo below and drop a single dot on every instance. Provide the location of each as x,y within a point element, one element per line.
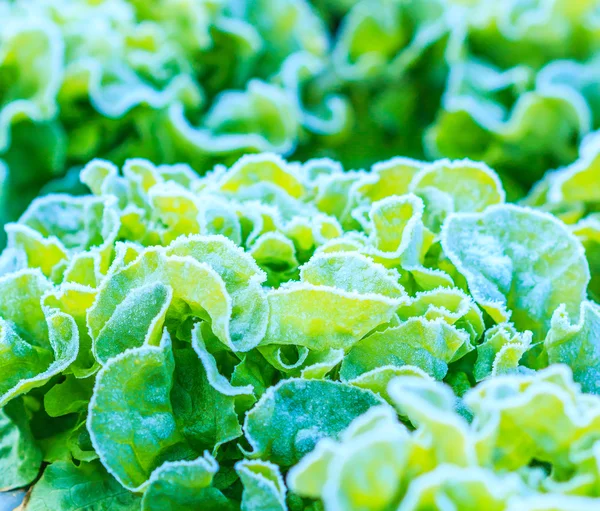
<point>514,84</point>
<point>497,460</point>
<point>240,340</point>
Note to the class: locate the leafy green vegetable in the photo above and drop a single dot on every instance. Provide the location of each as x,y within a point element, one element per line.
<point>446,461</point>
<point>281,336</point>
<point>518,263</point>
<point>21,457</point>
<point>577,345</point>
<point>69,487</point>
<point>430,345</point>
<point>291,417</point>
<point>190,321</point>
<point>263,486</point>
<point>180,415</point>
<point>185,484</point>
<point>360,81</point>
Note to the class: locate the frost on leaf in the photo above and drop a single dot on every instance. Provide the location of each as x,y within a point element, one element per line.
<point>185,485</point>
<point>429,345</point>
<point>294,415</point>
<point>263,486</point>
<point>518,263</point>
<point>167,411</point>
<point>577,345</point>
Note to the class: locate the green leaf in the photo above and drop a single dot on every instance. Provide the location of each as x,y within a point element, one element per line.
<point>315,327</point>
<point>462,488</point>
<point>451,304</point>
<point>242,278</point>
<point>68,487</point>
<point>501,351</point>
<point>319,364</point>
<point>20,303</point>
<point>541,408</point>
<point>276,255</point>
<point>577,345</point>
<point>429,345</point>
<point>136,320</point>
<point>207,276</point>
<point>390,177</point>
<point>431,407</point>
<point>377,380</point>
<point>553,502</point>
<point>397,233</point>
<point>262,168</point>
<point>80,443</point>
<point>254,370</point>
<point>519,264</point>
<point>264,489</point>
<point>19,360</point>
<point>153,269</point>
<point>21,458</point>
<point>205,416</point>
<point>79,223</point>
<point>351,272</point>
<point>179,485</point>
<point>456,186</point>
<point>291,417</point>
<point>40,252</point>
<point>366,469</point>
<point>40,364</point>
<point>141,406</point>
<point>69,396</point>
<point>578,182</point>
<point>75,299</point>
<point>216,380</point>
<point>168,411</point>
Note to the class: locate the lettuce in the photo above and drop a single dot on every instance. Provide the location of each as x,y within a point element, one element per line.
<point>222,287</point>
<point>22,458</point>
<point>513,85</point>
<point>191,481</point>
<point>289,336</point>
<point>263,485</point>
<point>444,460</point>
<point>69,487</point>
<point>518,263</point>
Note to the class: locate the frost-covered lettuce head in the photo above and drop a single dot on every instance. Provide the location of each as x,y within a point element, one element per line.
<point>513,84</point>
<point>288,336</point>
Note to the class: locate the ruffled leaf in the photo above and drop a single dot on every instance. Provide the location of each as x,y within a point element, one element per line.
<point>518,263</point>
<point>185,484</point>
<point>292,416</point>
<point>263,486</point>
